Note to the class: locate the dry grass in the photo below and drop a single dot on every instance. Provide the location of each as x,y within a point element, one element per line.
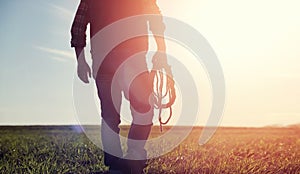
<point>231,150</point>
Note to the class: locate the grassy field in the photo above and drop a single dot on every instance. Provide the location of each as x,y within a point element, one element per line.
<point>57,149</point>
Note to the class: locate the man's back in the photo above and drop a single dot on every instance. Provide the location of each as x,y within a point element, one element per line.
<point>105,12</point>
<point>101,13</point>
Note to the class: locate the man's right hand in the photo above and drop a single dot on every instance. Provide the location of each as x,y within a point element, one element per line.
<point>84,71</point>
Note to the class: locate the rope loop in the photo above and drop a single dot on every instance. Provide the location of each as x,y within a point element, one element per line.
<point>160,78</point>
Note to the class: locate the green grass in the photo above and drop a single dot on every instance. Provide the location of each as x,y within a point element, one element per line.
<point>59,149</point>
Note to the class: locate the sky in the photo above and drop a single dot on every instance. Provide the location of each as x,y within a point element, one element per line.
<point>256,43</point>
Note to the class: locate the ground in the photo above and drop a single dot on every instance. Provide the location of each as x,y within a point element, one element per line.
<point>62,149</point>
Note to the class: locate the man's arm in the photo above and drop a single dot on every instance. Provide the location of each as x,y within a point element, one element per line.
<point>157,27</point>
<point>159,59</point>
<point>78,40</point>
<point>79,25</point>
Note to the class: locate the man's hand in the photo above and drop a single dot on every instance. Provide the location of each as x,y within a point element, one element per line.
<point>162,71</point>
<point>159,60</point>
<point>83,69</point>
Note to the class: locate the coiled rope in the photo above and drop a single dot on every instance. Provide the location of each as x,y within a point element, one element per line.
<point>160,78</point>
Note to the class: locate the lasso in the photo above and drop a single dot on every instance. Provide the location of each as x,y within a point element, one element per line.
<point>161,77</point>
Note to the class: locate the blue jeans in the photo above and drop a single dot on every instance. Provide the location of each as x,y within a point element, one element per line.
<point>110,95</point>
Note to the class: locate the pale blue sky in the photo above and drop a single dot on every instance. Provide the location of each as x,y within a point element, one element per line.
<point>36,82</point>
<point>256,41</point>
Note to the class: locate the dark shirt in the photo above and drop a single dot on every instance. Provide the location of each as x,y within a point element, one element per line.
<point>100,13</point>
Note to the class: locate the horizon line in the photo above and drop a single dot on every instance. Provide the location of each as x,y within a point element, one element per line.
<point>155,125</point>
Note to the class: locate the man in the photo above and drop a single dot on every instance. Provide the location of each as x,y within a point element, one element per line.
<point>99,14</point>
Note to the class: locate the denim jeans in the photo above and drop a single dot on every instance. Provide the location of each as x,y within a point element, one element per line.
<point>110,85</point>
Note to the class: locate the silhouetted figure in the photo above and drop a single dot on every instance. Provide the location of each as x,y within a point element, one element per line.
<point>99,14</point>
